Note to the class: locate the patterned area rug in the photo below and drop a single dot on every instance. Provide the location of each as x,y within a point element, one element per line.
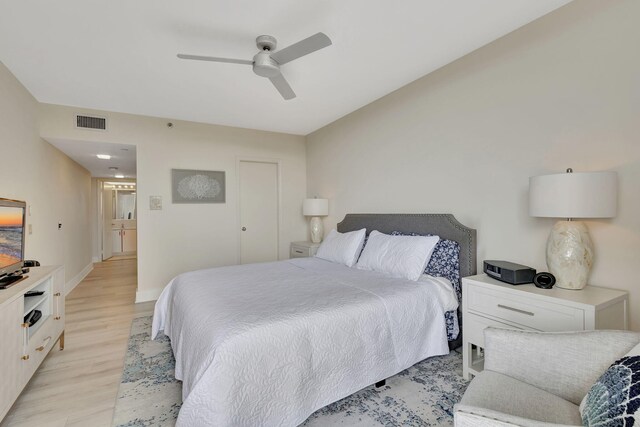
<point>422,395</point>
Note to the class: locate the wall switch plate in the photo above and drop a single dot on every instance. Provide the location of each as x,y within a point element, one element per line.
<point>155,203</point>
<point>30,228</point>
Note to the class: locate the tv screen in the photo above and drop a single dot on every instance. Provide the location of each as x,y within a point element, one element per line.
<point>11,237</point>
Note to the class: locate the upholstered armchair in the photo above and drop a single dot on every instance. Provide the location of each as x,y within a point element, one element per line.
<point>538,379</point>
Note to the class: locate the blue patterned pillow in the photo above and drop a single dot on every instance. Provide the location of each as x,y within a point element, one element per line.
<point>445,262</point>
<point>614,399</point>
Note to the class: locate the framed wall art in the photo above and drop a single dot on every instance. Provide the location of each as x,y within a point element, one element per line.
<point>197,186</point>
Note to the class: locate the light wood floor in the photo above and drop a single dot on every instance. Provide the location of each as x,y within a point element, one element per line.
<point>121,257</point>
<point>78,386</point>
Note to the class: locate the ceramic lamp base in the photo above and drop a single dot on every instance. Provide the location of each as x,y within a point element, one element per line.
<point>317,231</point>
<point>570,254</point>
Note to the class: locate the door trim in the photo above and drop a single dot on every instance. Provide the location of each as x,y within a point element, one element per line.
<point>278,164</point>
<point>101,217</point>
<point>100,213</point>
<point>99,220</point>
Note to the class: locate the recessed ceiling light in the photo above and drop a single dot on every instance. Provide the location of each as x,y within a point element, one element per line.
<point>119,175</point>
<point>103,156</point>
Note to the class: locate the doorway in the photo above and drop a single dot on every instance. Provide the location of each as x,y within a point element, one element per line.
<point>259,210</point>
<point>119,220</point>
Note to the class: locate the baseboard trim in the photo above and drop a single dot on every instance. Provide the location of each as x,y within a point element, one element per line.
<point>150,295</point>
<point>71,284</point>
<point>95,259</point>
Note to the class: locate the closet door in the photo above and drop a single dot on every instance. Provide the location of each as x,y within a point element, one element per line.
<point>258,211</point>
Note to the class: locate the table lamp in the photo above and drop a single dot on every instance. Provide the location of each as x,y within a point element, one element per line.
<point>572,195</point>
<point>315,208</point>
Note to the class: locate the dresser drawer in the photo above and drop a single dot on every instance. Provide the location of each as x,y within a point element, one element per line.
<point>524,311</point>
<point>39,346</point>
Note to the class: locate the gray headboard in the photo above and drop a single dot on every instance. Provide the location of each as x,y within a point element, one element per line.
<point>443,225</point>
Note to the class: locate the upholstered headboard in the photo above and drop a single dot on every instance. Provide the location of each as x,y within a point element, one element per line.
<point>443,225</point>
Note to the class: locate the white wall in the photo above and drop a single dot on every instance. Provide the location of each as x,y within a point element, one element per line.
<point>561,92</point>
<point>184,237</point>
<point>55,187</point>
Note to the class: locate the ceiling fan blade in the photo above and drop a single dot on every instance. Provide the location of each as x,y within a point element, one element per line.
<point>283,87</point>
<point>302,48</point>
<point>214,59</point>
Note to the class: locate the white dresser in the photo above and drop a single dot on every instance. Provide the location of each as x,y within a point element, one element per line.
<point>303,249</point>
<point>23,348</point>
<point>489,302</point>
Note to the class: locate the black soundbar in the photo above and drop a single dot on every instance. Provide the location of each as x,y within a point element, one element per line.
<point>509,272</point>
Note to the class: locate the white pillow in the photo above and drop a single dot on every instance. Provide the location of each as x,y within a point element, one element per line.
<point>397,256</point>
<point>342,248</point>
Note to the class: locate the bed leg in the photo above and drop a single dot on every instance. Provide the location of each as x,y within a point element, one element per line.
<point>381,383</point>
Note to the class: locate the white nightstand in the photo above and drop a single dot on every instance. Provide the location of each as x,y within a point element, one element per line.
<point>488,302</point>
<point>303,249</point>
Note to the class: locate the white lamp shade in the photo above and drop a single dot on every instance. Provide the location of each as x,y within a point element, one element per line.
<point>574,195</point>
<point>315,207</point>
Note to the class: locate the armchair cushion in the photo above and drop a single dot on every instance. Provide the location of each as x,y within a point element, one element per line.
<point>562,363</point>
<point>499,398</point>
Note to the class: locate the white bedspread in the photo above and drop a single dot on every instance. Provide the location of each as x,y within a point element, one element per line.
<point>269,344</point>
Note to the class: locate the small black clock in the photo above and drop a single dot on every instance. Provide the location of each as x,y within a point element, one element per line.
<point>544,280</point>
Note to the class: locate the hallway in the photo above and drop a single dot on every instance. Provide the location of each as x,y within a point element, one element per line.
<point>78,386</point>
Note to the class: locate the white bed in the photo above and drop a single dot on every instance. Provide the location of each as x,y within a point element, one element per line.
<point>269,344</point>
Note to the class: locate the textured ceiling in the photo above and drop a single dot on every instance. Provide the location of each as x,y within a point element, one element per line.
<point>121,55</point>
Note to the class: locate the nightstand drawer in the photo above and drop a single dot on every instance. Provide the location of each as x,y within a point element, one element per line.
<point>475,325</point>
<point>524,311</point>
<point>303,249</point>
<point>299,251</point>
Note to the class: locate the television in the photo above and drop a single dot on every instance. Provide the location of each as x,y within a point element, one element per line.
<point>12,220</point>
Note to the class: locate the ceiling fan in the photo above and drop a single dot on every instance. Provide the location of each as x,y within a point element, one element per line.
<point>267,64</point>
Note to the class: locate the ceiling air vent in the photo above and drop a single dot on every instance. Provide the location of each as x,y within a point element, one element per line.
<point>91,122</point>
